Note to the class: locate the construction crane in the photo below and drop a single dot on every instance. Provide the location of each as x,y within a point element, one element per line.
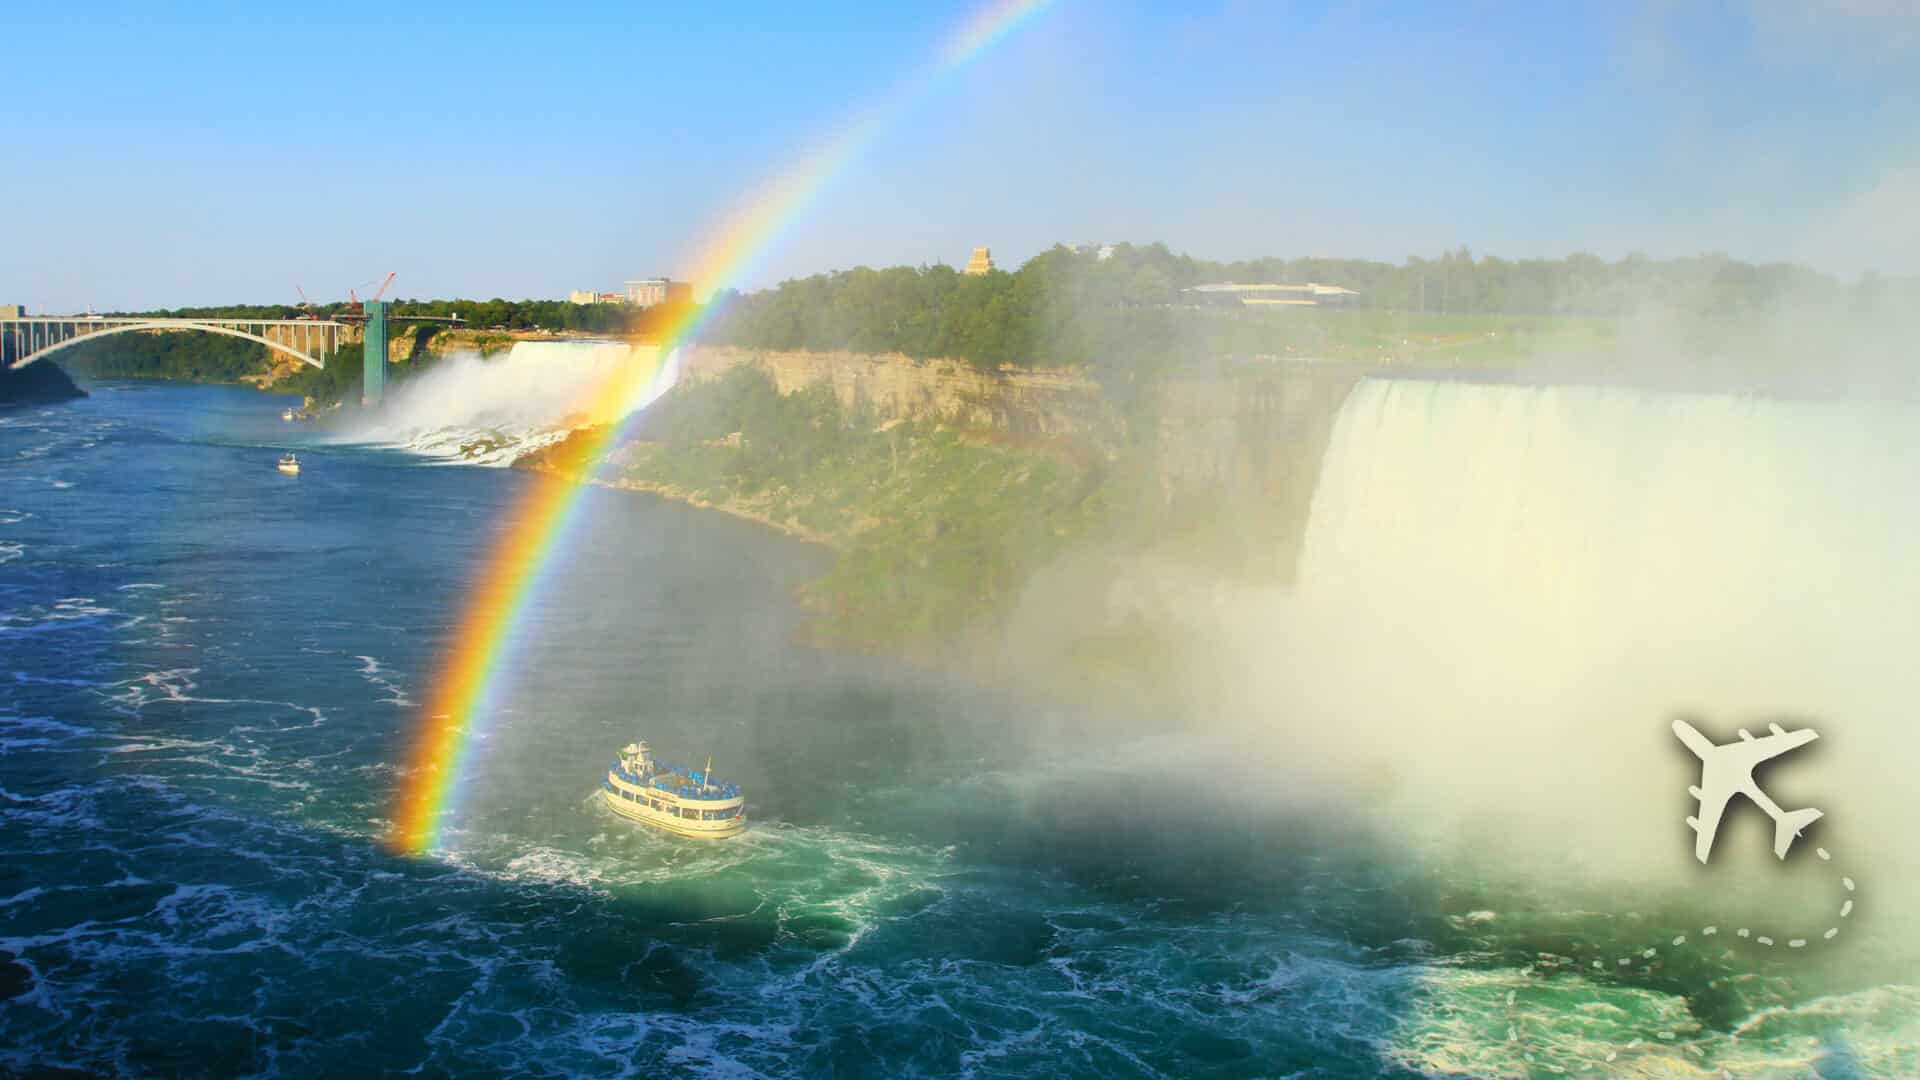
<point>356,308</point>
<point>358,304</point>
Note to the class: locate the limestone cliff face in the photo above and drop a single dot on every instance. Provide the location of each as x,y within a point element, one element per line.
<point>1251,434</point>
<point>1240,447</point>
<point>1053,403</point>
<point>1250,441</point>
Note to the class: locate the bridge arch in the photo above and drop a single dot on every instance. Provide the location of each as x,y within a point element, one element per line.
<point>211,328</point>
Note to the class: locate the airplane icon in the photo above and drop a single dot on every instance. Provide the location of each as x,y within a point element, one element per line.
<point>1727,770</point>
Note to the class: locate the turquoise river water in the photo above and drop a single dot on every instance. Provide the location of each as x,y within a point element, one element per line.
<point>209,674</point>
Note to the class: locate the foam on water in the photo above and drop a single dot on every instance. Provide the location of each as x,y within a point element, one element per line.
<point>375,673</point>
<point>489,410</point>
<point>198,737</point>
<point>1507,592</point>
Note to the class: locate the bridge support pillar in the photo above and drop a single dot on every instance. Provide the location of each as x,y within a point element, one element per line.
<point>373,385</point>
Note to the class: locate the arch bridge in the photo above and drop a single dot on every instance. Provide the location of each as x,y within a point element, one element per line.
<point>24,339</point>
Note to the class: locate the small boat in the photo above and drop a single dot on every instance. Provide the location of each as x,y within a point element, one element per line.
<point>288,415</point>
<point>289,465</point>
<point>685,802</point>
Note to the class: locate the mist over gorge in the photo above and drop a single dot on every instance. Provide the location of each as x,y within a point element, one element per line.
<point>993,539</point>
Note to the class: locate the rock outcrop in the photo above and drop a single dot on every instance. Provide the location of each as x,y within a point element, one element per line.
<point>1055,403</point>
<point>40,382</point>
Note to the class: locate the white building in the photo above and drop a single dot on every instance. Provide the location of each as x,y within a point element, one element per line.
<point>1311,294</point>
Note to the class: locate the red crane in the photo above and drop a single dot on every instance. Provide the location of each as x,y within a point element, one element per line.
<point>358,304</point>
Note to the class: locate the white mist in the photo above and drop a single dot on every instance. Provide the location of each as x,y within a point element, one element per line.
<point>488,411</point>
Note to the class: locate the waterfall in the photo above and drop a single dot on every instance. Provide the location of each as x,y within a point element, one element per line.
<point>1519,586</point>
<point>488,411</point>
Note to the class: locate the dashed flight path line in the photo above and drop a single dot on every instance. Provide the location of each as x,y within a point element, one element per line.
<point>1745,933</point>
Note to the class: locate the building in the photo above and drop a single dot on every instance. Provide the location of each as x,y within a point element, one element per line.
<point>588,296</point>
<point>980,264</point>
<point>1311,294</point>
<point>646,292</point>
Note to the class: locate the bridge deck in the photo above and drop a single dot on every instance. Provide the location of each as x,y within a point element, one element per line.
<point>26,338</point>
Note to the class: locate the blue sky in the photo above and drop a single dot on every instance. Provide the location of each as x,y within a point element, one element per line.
<point>230,154</point>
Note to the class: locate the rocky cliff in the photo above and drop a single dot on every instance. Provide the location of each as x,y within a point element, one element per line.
<point>1050,403</point>
<point>1231,455</point>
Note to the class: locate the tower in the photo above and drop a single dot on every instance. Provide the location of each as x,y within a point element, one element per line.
<point>980,264</point>
<point>373,383</point>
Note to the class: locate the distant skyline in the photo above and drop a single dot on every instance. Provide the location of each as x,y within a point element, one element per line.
<point>223,154</point>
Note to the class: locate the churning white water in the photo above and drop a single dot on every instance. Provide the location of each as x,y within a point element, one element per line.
<point>489,410</point>
<point>1511,590</point>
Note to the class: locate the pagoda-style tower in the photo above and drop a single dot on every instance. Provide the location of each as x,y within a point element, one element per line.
<point>980,264</point>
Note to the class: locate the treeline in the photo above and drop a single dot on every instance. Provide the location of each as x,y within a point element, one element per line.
<point>1059,309</point>
<point>1125,308</point>
<point>611,319</point>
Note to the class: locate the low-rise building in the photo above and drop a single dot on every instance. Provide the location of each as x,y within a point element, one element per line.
<point>646,292</point>
<point>583,296</point>
<point>1311,294</point>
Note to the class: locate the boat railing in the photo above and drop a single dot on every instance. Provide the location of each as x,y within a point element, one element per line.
<point>675,781</point>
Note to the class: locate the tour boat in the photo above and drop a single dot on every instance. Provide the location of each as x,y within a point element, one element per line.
<point>685,802</point>
<point>289,465</point>
<point>287,415</point>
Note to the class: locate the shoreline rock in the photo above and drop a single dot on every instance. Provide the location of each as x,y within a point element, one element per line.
<point>39,383</point>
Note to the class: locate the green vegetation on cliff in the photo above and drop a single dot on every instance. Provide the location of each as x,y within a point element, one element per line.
<point>938,529</point>
<point>338,381</point>
<point>188,356</point>
<point>201,357</point>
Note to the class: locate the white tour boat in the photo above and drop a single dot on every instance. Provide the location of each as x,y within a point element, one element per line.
<point>685,802</point>
<point>289,465</point>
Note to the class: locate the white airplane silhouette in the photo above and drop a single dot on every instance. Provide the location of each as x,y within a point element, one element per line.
<point>1727,770</point>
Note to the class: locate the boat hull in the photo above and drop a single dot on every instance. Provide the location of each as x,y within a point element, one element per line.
<point>669,820</point>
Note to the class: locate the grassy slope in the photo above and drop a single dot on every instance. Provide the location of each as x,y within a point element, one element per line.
<point>1450,340</point>
<point>937,528</point>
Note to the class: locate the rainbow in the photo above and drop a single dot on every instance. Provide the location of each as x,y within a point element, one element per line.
<point>470,673</point>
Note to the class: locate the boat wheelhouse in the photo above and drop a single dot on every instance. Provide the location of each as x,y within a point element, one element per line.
<point>685,802</point>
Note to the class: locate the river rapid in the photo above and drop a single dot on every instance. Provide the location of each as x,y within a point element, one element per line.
<point>210,674</point>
